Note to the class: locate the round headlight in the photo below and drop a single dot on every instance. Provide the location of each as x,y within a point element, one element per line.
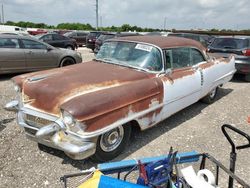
<point>16,88</point>
<point>67,118</point>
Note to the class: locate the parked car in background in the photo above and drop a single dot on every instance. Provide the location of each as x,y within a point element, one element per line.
<point>37,31</point>
<point>13,29</point>
<point>24,54</point>
<point>79,36</point>
<point>239,46</point>
<point>58,40</point>
<point>106,36</point>
<point>14,33</point>
<point>203,39</point>
<point>134,81</point>
<point>91,38</point>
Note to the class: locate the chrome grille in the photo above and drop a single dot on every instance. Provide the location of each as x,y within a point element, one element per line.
<point>36,121</point>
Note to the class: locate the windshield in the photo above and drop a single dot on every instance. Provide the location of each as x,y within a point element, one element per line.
<point>105,37</point>
<point>229,43</point>
<point>130,54</point>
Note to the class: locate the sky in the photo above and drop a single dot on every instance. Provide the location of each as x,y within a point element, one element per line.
<point>178,14</point>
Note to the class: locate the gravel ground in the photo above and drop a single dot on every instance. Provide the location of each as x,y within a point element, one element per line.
<point>23,164</point>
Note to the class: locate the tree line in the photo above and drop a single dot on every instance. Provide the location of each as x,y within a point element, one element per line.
<point>123,28</point>
<point>80,26</point>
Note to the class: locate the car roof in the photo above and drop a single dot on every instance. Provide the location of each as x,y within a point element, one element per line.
<point>15,36</point>
<point>234,37</point>
<point>162,42</point>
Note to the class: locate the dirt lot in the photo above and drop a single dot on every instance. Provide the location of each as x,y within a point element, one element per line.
<point>23,164</point>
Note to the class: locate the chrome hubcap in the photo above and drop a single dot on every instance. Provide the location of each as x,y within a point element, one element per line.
<point>112,139</point>
<point>212,94</point>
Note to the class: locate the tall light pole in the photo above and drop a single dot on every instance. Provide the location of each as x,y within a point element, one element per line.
<point>165,20</point>
<point>2,15</point>
<point>96,14</point>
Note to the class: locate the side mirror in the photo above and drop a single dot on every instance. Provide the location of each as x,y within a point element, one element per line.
<point>168,71</point>
<point>49,49</point>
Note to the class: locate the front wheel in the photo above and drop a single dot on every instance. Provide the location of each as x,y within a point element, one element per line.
<point>112,143</point>
<point>211,96</point>
<point>67,61</point>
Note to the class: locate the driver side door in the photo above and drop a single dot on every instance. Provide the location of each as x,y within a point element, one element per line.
<point>182,85</point>
<point>37,55</point>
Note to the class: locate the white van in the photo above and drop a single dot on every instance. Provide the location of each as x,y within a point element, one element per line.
<point>12,29</point>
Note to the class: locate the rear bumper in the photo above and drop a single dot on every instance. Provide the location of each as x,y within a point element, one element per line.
<point>242,67</point>
<point>74,146</point>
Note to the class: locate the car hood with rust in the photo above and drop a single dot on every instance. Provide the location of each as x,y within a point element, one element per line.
<point>87,89</point>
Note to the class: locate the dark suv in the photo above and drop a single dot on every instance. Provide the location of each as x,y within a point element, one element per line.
<point>79,36</point>
<point>57,40</point>
<point>203,39</point>
<point>91,38</point>
<point>239,46</point>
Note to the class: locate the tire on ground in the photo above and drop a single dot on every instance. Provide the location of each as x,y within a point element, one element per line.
<point>101,155</point>
<point>210,97</point>
<point>67,61</point>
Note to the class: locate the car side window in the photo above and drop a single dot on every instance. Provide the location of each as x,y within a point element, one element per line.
<point>59,37</point>
<point>197,57</point>
<point>9,43</point>
<point>178,58</point>
<point>81,34</point>
<point>30,44</point>
<point>47,38</point>
<point>181,57</point>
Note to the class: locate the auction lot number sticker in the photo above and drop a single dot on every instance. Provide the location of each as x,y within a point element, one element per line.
<point>144,47</point>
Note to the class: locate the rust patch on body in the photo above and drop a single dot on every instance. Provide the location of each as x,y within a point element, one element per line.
<point>62,84</point>
<point>108,106</point>
<point>95,93</point>
<point>178,74</point>
<point>206,65</point>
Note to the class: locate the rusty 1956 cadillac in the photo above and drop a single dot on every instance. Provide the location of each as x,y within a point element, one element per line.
<point>89,109</point>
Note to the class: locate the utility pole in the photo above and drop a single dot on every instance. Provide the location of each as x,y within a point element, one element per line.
<point>2,15</point>
<point>100,21</point>
<point>96,14</point>
<point>165,20</point>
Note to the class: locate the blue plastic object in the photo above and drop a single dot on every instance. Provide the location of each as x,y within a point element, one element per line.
<point>122,166</point>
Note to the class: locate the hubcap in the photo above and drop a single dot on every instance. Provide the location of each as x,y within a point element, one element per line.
<point>212,94</point>
<point>112,139</point>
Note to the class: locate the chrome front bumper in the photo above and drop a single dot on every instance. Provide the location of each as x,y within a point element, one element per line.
<point>55,135</point>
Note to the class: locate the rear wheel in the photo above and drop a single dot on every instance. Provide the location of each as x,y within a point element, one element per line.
<point>211,96</point>
<point>67,61</point>
<point>112,143</point>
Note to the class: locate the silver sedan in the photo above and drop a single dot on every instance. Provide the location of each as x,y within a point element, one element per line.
<point>25,54</point>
